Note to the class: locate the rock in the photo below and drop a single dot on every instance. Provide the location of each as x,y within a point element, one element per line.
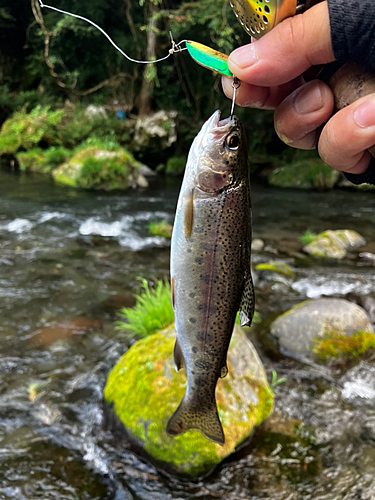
<point>334,244</point>
<point>370,257</point>
<point>96,112</point>
<point>301,331</point>
<point>305,174</point>
<point>146,171</point>
<point>156,132</point>
<point>94,168</point>
<point>114,303</point>
<point>276,267</point>
<point>145,390</point>
<point>257,245</point>
<point>65,330</point>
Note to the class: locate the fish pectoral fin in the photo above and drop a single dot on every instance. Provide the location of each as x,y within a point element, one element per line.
<point>178,356</point>
<point>206,421</point>
<point>247,302</point>
<point>224,371</point>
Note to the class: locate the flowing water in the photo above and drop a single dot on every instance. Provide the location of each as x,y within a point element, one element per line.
<point>69,259</point>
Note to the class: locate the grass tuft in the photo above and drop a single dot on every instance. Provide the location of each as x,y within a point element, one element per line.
<point>152,312</point>
<point>307,238</point>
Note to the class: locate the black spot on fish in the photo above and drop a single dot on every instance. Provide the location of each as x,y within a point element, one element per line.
<point>192,295</point>
<point>200,381</point>
<point>204,365</point>
<point>198,230</point>
<point>189,250</point>
<point>192,320</point>
<point>205,337</point>
<point>199,260</point>
<point>195,350</point>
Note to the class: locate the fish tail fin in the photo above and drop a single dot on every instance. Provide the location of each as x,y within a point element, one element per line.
<point>205,420</point>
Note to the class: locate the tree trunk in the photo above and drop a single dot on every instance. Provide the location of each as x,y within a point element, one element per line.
<point>148,83</point>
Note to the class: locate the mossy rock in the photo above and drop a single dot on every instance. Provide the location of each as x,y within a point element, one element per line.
<point>94,168</point>
<point>276,267</point>
<point>162,229</point>
<point>26,130</point>
<point>334,244</point>
<point>145,390</point>
<point>305,174</point>
<point>42,161</point>
<point>322,329</point>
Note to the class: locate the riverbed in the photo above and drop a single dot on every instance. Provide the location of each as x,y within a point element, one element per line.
<point>69,259</point>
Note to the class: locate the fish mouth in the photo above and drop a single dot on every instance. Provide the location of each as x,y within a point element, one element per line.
<point>217,126</point>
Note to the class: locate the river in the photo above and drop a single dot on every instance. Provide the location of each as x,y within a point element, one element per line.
<point>71,257</point>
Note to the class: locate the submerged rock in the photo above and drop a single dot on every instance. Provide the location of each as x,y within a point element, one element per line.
<point>145,390</point>
<point>94,168</point>
<point>257,245</point>
<point>276,267</point>
<point>299,332</point>
<point>65,329</point>
<point>334,244</point>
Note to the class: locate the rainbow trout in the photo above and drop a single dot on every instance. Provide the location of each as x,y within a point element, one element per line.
<point>210,268</point>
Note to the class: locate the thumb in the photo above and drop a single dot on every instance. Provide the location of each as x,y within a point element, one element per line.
<point>287,51</point>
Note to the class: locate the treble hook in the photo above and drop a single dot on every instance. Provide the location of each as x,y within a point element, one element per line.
<point>236,84</point>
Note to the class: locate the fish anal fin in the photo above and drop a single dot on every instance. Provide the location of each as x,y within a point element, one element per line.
<point>187,418</point>
<point>178,357</point>
<point>247,302</point>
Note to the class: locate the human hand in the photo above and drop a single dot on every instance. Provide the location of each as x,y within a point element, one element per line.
<point>270,71</point>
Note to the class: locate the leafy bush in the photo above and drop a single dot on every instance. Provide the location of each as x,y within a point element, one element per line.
<point>175,165</point>
<point>39,160</point>
<point>152,312</point>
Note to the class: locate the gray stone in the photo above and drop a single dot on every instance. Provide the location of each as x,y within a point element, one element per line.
<point>296,330</point>
<point>96,111</point>
<point>156,132</point>
<point>257,245</point>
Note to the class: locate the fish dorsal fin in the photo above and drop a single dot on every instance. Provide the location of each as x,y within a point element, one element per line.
<point>224,371</point>
<point>178,357</point>
<point>247,302</point>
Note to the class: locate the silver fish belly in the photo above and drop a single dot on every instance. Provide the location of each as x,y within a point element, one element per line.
<point>210,269</point>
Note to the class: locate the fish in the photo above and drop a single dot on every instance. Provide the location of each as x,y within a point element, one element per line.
<point>210,269</point>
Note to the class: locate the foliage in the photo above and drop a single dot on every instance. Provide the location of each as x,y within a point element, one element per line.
<point>152,312</point>
<point>276,381</point>
<point>175,165</point>
<point>336,345</point>
<point>256,319</point>
<point>307,237</point>
<point>162,229</point>
<point>26,130</point>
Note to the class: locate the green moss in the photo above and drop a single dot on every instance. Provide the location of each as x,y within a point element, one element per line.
<point>162,229</point>
<point>145,391</point>
<point>38,160</point>
<point>175,165</point>
<point>276,267</point>
<point>153,310</point>
<point>26,130</point>
<point>307,237</point>
<point>305,174</point>
<point>335,345</point>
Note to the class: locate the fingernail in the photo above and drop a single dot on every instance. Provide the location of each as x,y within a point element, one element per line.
<point>245,56</point>
<point>309,100</point>
<point>365,114</point>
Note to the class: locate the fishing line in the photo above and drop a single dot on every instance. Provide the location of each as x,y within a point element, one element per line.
<point>176,47</point>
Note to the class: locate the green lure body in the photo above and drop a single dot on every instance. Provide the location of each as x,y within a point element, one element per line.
<point>209,58</point>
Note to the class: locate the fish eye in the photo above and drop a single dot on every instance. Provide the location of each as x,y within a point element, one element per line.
<point>232,142</point>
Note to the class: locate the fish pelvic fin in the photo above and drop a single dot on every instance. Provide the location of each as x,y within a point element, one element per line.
<point>247,302</point>
<point>178,356</point>
<point>188,418</point>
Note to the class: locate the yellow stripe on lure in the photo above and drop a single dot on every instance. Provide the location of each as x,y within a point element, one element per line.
<point>209,58</point>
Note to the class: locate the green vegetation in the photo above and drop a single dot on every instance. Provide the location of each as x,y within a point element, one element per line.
<point>307,237</point>
<point>175,165</point>
<point>152,312</point>
<point>276,381</point>
<point>336,345</point>
<point>276,267</point>
<point>256,319</point>
<point>305,174</point>
<point>39,160</point>
<point>161,229</point>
